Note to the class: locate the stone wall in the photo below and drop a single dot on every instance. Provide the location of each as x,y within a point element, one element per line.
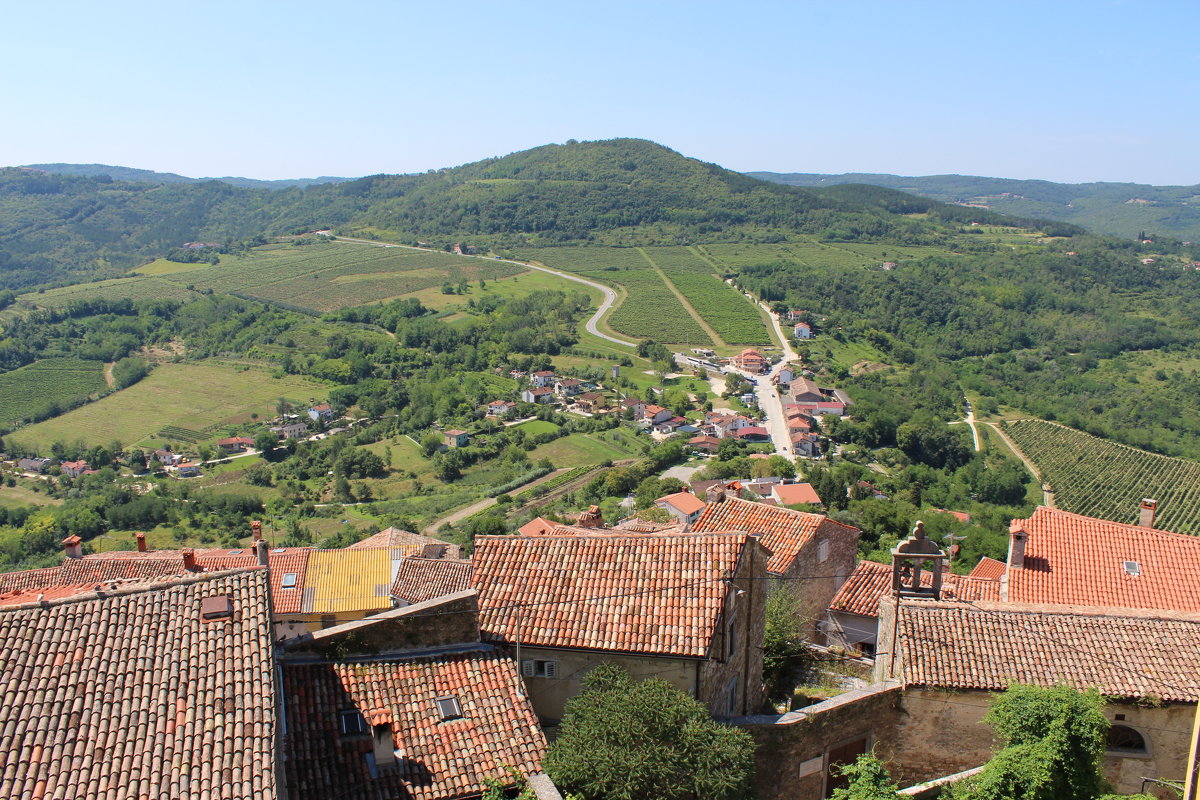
<point>816,580</point>
<point>792,757</point>
<point>453,619</point>
<point>738,657</point>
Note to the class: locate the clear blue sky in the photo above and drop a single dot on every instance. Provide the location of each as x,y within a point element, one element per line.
<point>1066,91</point>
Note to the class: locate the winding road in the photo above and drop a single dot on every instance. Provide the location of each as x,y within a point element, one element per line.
<point>610,296</point>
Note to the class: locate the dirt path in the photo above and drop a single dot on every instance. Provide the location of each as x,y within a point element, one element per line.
<point>683,301</point>
<point>485,503</point>
<point>1047,495</point>
<point>108,376</point>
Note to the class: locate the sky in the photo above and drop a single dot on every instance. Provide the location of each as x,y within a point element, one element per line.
<point>1063,91</point>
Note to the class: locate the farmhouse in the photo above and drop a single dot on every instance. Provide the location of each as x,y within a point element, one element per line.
<point>501,408</point>
<point>543,394</point>
<point>38,465</point>
<point>455,438</point>
<point>290,430</point>
<point>683,506</point>
<point>542,379</point>
<point>73,469</point>
<point>568,387</point>
<point>235,444</point>
<point>322,412</point>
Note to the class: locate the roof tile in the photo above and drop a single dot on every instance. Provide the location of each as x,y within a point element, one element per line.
<point>783,531</point>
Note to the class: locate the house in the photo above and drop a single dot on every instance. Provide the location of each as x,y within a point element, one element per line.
<point>38,465</point>
<point>707,444</point>
<point>803,330</point>
<point>322,412</point>
<point>655,414</point>
<point>1058,557</point>
<point>290,430</point>
<point>683,506</point>
<point>804,443</point>
<point>591,402</point>
<point>750,360</point>
<point>636,407</point>
<point>187,469</point>
<point>543,394</point>
<point>812,552</point>
<point>538,526</point>
<point>669,425</point>
<point>421,579</point>
<point>235,444</point>
<point>788,373</point>
<point>950,659</point>
<point>794,494</point>
<point>409,544</point>
<point>73,469</point>
<point>793,314</point>
<point>753,433</point>
<point>542,379</point>
<point>805,391</point>
<point>685,608</point>
<point>517,374</point>
<point>502,409</point>
<point>568,387</point>
<point>989,568</point>
<point>455,438</point>
<point>190,659</point>
<point>852,619</point>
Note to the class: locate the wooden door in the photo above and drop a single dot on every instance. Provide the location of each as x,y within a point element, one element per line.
<point>844,753</point>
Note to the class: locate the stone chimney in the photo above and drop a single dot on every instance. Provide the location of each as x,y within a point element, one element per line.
<point>260,551</point>
<point>715,494</point>
<point>1016,545</point>
<point>73,546</point>
<point>384,746</point>
<point>256,530</point>
<point>591,518</point>
<point>1146,512</point>
<point>189,559</point>
<point>141,541</point>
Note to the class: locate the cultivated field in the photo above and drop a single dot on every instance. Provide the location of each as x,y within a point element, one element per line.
<point>1099,478</point>
<point>135,287</point>
<point>325,277</point>
<point>190,402</point>
<point>32,390</point>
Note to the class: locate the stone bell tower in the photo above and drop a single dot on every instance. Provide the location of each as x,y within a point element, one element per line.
<point>911,560</point>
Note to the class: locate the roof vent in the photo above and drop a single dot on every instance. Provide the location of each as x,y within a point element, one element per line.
<point>1133,568</point>
<point>216,608</point>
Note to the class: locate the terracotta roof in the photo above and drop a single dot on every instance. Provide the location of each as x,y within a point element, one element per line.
<point>282,560</point>
<point>989,568</point>
<point>685,502</point>
<point>28,579</point>
<point>783,531</point>
<point>411,544</point>
<point>122,564</point>
<point>347,580</point>
<point>990,645</point>
<point>132,695</point>
<point>790,494</point>
<point>538,526</point>
<point>1073,559</point>
<point>751,430</point>
<point>438,758</point>
<point>421,579</point>
<point>657,594</point>
<point>870,582</point>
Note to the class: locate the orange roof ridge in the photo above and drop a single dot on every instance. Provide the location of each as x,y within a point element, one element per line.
<point>1131,525</point>
<point>131,586</point>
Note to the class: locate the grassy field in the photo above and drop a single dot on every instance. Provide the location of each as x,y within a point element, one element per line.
<point>325,277</point>
<point>581,448</point>
<point>22,495</point>
<point>536,426</point>
<point>182,397</point>
<point>32,389</point>
<point>136,287</point>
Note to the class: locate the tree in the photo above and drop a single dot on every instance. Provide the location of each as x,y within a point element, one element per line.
<point>783,639</point>
<point>627,740</point>
<point>265,442</point>
<point>869,780</point>
<point>430,443</point>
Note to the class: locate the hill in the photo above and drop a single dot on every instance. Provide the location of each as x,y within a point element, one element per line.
<point>66,228</point>
<point>149,176</point>
<point>1119,209</point>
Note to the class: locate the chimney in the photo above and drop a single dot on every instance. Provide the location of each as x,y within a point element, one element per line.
<point>715,494</point>
<point>591,518</point>
<point>1016,545</point>
<point>1146,513</point>
<point>256,530</point>
<point>260,550</point>
<point>189,559</point>
<point>73,546</point>
<point>141,541</point>
<point>384,745</point>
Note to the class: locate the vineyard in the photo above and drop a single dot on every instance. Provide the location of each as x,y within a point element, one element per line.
<point>1099,478</point>
<point>337,275</point>
<point>733,317</point>
<point>586,259</point>
<point>546,487</point>
<point>138,287</point>
<point>651,310</point>
<point>33,391</point>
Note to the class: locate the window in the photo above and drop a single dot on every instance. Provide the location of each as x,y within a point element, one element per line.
<point>351,723</point>
<point>289,580</point>
<point>1125,740</point>
<point>1133,568</point>
<point>731,624</point>
<point>539,669</point>
<point>234,553</point>
<point>731,697</point>
<point>448,707</point>
<point>822,551</point>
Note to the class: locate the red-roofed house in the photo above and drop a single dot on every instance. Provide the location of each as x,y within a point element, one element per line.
<point>707,444</point>
<point>73,468</point>
<point>989,568</point>
<point>455,438</point>
<point>750,360</point>
<point>538,526</point>
<point>685,608</point>
<point>752,433</point>
<point>794,494</point>
<point>1058,557</point>
<point>683,506</point>
<point>235,444</point>
<point>655,414</point>
<point>813,552</point>
<point>540,394</point>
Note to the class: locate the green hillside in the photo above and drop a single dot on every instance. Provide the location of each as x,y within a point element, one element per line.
<point>1119,209</point>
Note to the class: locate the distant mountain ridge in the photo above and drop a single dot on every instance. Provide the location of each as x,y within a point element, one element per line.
<point>1120,209</point>
<point>150,176</point>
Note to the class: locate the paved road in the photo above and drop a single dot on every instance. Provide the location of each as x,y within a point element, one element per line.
<point>971,422</point>
<point>610,296</point>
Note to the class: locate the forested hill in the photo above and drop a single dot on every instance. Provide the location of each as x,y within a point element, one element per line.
<point>1119,209</point>
<point>64,228</point>
<point>150,176</point>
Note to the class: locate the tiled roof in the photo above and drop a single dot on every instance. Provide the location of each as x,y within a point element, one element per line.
<point>437,759</point>
<point>790,494</point>
<point>641,593</point>
<point>989,568</point>
<point>783,531</point>
<point>122,565</point>
<point>1073,559</point>
<point>684,502</point>
<point>421,579</point>
<point>132,695</point>
<point>538,526</point>
<point>990,645</point>
<point>28,579</point>
<point>347,580</point>
<point>870,581</point>
<point>282,560</point>
<point>411,544</point>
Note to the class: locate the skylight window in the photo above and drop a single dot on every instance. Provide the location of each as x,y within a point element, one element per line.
<point>1133,568</point>
<point>234,553</point>
<point>351,723</point>
<point>289,580</point>
<point>448,707</point>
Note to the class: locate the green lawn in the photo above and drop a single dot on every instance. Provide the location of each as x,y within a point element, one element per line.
<point>536,426</point>
<point>579,449</point>
<point>188,397</point>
